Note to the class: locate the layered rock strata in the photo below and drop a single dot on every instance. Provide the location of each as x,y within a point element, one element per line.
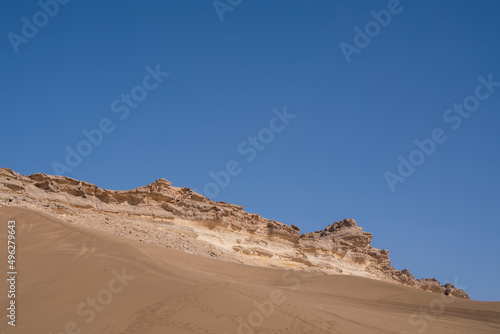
<point>182,219</point>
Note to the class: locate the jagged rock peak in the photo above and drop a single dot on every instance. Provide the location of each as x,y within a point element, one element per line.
<point>163,182</point>
<point>337,226</point>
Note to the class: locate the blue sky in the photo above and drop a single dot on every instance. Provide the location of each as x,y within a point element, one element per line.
<point>228,79</point>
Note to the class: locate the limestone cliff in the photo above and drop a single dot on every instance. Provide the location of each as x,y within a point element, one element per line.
<point>182,219</point>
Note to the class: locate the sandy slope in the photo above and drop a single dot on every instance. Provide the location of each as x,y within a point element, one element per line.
<point>181,219</point>
<point>76,280</point>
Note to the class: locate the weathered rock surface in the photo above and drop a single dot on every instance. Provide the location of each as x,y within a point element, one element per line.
<point>182,219</point>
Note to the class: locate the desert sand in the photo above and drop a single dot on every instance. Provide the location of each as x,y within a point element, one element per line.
<point>181,219</point>
<point>74,279</point>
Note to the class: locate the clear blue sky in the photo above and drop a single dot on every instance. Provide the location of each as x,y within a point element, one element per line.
<point>352,120</point>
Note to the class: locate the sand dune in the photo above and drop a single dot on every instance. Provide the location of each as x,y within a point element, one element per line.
<point>181,219</point>
<point>77,280</point>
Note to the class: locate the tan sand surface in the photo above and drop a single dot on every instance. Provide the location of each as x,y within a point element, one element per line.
<point>76,280</point>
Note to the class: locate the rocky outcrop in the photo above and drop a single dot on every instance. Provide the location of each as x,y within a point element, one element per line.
<point>182,219</point>
<point>347,241</point>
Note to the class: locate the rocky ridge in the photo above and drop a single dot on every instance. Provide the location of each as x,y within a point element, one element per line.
<point>182,219</point>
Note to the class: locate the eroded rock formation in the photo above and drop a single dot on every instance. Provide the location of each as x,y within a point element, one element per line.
<point>182,219</point>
